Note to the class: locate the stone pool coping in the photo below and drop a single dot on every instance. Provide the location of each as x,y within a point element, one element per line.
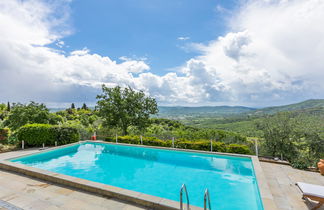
<point>129,195</point>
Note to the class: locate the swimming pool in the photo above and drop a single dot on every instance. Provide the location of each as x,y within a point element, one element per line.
<point>230,180</point>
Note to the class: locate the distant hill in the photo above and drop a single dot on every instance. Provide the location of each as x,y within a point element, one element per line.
<point>180,112</point>
<point>244,123</point>
<point>309,104</point>
<point>177,112</point>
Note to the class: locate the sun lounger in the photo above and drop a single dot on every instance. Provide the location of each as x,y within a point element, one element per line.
<point>313,192</point>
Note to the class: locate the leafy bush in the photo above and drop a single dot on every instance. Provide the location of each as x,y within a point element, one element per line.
<point>220,147</point>
<point>37,134</point>
<point>240,149</point>
<point>12,139</point>
<point>183,144</point>
<point>300,163</point>
<point>66,135</point>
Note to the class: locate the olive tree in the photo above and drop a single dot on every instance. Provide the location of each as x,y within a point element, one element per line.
<point>124,107</point>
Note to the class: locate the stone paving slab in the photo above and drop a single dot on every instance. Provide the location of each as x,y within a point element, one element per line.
<point>27,193</point>
<point>281,180</point>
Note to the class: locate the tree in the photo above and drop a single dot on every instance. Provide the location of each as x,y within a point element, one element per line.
<point>3,111</point>
<point>31,113</point>
<point>279,135</point>
<point>8,106</point>
<point>72,106</point>
<point>311,146</point>
<point>84,106</point>
<point>124,107</point>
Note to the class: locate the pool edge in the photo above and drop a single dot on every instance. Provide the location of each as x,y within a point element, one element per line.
<point>264,190</point>
<point>128,195</point>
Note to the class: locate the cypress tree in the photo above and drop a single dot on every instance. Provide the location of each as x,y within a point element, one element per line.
<point>72,106</point>
<point>8,107</point>
<point>84,106</point>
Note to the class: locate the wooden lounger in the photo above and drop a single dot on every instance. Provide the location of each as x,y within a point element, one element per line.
<point>313,192</point>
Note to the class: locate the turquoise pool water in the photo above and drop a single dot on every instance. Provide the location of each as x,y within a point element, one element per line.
<point>230,180</point>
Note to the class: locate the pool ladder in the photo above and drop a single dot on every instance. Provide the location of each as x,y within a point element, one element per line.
<point>206,198</point>
<point>184,188</point>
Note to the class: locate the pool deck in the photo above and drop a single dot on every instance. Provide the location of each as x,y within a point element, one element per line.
<point>281,180</point>
<point>30,193</point>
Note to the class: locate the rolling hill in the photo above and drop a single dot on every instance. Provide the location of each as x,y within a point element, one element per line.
<point>240,119</point>
<point>309,104</point>
<point>179,112</point>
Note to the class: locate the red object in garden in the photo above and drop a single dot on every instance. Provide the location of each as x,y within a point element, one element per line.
<point>94,138</point>
<point>321,166</point>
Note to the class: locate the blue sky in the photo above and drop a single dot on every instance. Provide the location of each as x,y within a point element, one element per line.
<point>146,29</point>
<point>182,52</point>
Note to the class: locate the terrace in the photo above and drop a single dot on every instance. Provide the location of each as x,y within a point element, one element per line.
<point>26,192</point>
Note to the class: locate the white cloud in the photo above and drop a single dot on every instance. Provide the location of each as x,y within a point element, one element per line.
<point>60,44</point>
<point>274,53</point>
<point>183,38</point>
<point>32,71</point>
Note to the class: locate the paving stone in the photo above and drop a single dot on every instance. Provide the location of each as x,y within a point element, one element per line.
<point>281,180</point>
<point>28,193</point>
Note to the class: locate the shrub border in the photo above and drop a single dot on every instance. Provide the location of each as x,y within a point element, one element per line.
<point>216,144</point>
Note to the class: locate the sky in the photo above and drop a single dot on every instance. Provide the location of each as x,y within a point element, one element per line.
<point>182,52</point>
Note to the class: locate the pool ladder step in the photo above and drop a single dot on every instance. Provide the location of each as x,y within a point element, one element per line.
<point>206,198</point>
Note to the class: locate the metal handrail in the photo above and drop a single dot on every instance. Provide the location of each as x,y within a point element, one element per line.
<point>183,187</point>
<point>207,197</point>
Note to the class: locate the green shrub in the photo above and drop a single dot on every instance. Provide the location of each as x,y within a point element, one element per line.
<point>300,163</point>
<point>200,145</point>
<point>183,144</point>
<point>37,134</point>
<point>66,135</point>
<point>219,147</point>
<point>240,149</point>
<point>152,141</point>
<point>12,139</point>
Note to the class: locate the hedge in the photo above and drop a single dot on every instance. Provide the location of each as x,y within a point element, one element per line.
<point>183,144</point>
<point>237,148</point>
<point>37,134</point>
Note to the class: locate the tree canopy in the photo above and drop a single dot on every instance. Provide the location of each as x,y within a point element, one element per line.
<point>293,137</point>
<point>278,134</point>
<point>21,114</point>
<point>124,107</point>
